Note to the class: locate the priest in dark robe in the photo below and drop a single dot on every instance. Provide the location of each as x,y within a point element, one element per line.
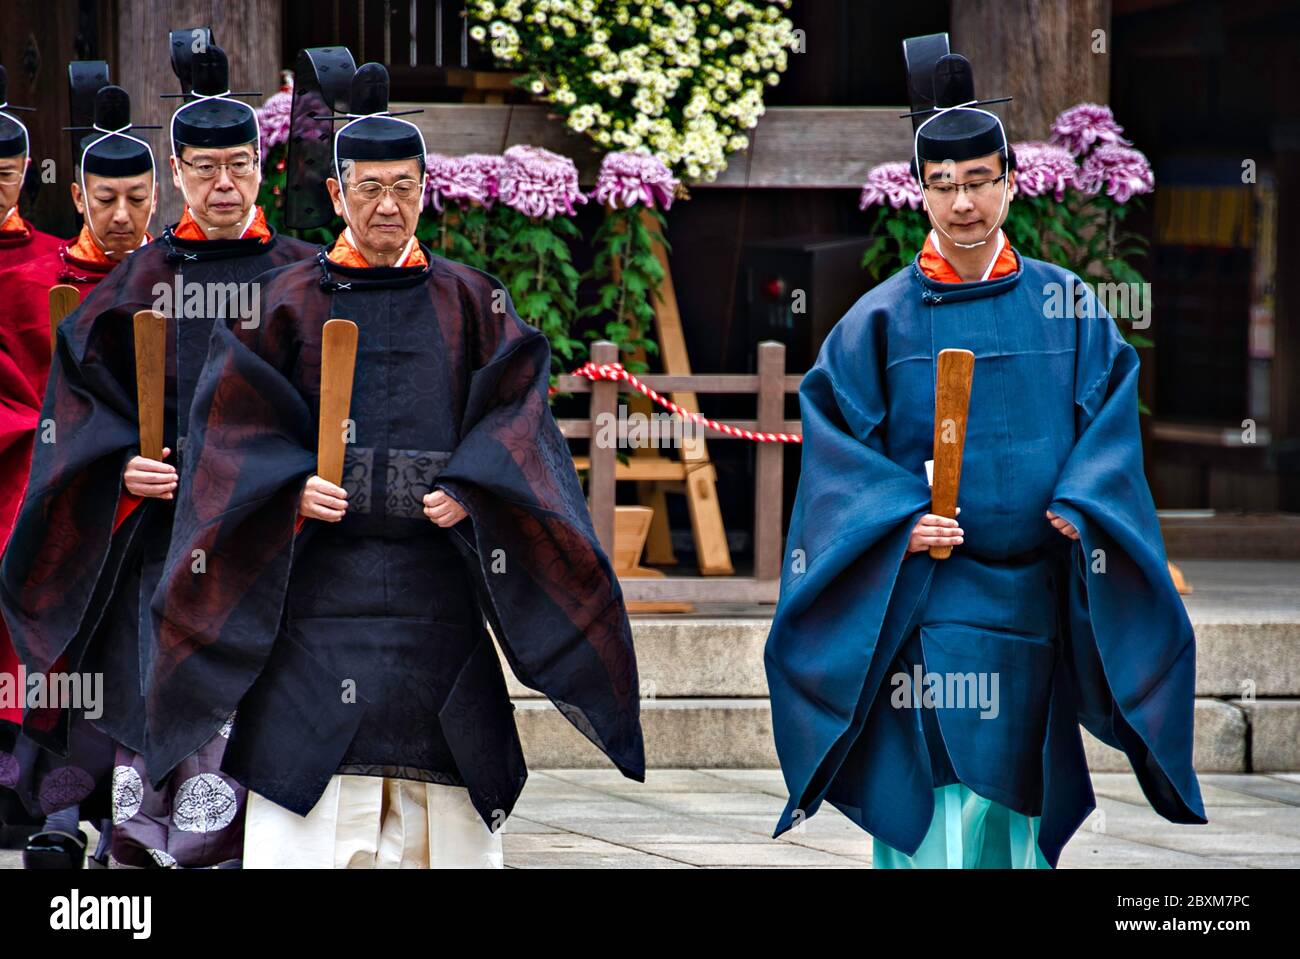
<point>115,191</point>
<point>94,527</point>
<point>19,240</point>
<point>937,703</point>
<point>350,624</point>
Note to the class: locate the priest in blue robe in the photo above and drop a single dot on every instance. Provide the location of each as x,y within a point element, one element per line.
<point>937,703</point>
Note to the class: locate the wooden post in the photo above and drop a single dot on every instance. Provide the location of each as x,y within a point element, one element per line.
<point>659,542</point>
<point>1048,56</point>
<point>604,458</point>
<point>770,460</point>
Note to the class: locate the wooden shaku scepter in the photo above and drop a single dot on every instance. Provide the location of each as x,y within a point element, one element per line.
<point>151,379</point>
<point>951,401</point>
<point>64,299</point>
<point>338,362</point>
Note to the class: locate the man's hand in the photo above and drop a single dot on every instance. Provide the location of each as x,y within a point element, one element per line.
<point>932,530</point>
<point>1065,528</point>
<point>153,478</point>
<point>321,499</point>
<point>443,509</point>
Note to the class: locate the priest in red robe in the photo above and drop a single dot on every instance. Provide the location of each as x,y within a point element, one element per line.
<point>115,191</point>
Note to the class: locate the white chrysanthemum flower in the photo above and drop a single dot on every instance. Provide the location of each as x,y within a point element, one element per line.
<point>683,79</point>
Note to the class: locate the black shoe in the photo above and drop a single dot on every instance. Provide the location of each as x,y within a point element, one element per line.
<point>16,836</point>
<point>55,850</point>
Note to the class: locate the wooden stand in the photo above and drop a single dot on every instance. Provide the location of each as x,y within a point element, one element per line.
<point>631,526</point>
<point>693,474</point>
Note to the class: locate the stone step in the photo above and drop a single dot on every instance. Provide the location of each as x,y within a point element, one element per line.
<point>723,658</point>
<point>684,658</point>
<point>1231,536</point>
<point>1232,736</point>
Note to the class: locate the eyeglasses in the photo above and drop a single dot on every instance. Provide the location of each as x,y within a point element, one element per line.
<point>368,191</point>
<point>10,177</point>
<point>975,188</point>
<point>238,167</point>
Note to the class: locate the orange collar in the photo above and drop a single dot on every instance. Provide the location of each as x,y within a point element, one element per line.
<point>85,249</point>
<point>188,228</point>
<point>940,270</point>
<point>345,254</point>
<point>14,224</point>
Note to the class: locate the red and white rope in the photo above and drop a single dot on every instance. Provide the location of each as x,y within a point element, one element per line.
<point>616,372</point>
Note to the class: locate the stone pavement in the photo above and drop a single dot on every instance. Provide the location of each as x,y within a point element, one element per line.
<point>683,818</point>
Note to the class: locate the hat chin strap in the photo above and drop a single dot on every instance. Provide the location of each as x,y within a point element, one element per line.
<point>969,246</point>
<point>338,172</point>
<point>171,133</point>
<point>920,170</point>
<point>85,194</point>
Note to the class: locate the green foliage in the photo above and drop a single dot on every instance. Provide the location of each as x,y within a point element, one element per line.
<point>626,274</point>
<point>531,257</point>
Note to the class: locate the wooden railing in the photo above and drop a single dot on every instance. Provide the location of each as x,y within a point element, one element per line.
<point>770,386</point>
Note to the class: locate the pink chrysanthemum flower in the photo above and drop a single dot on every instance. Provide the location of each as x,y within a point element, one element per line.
<point>1122,171</point>
<point>273,118</point>
<point>891,183</point>
<point>471,178</point>
<point>539,183</point>
<point>627,179</point>
<point>1044,168</point>
<point>440,179</point>
<point>1085,124</point>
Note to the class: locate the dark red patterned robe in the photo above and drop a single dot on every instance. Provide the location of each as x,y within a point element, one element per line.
<point>450,391</point>
<point>85,555</point>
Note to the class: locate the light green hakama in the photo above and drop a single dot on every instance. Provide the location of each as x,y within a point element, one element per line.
<point>969,832</point>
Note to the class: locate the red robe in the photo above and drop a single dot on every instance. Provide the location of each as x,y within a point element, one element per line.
<point>24,366</point>
<point>20,241</point>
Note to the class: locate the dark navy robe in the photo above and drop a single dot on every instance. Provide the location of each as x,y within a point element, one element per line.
<point>361,646</point>
<point>79,570</point>
<point>66,572</point>
<point>1089,632</point>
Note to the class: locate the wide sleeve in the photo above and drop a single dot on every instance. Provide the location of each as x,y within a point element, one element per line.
<point>217,608</point>
<point>852,517</point>
<point>1131,648</point>
<point>59,552</point>
<point>545,585</point>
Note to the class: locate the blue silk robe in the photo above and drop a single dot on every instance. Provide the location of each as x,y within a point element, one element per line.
<point>1087,632</point>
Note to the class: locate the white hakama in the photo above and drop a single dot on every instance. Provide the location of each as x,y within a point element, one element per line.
<point>372,822</point>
